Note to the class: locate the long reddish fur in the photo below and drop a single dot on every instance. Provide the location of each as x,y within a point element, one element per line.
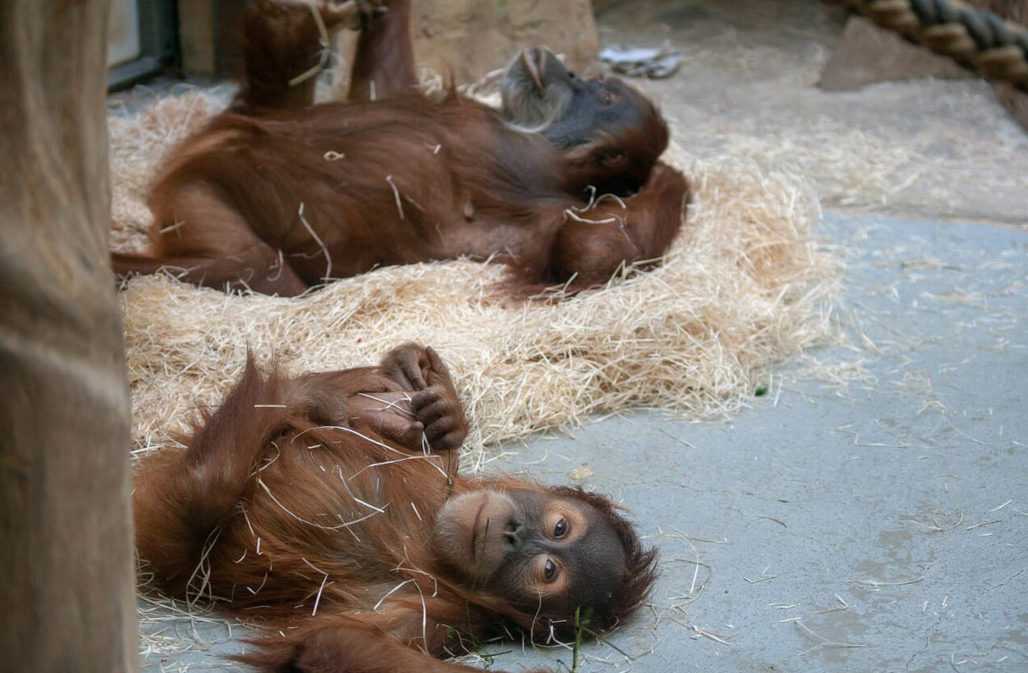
<point>240,517</point>
<point>392,181</point>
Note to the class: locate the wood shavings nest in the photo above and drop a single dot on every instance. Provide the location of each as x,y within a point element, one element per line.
<point>744,287</point>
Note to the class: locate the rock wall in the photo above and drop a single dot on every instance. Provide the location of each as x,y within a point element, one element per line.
<point>469,38</point>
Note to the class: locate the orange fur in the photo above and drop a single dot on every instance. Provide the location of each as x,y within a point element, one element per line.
<point>279,195</point>
<point>290,508</point>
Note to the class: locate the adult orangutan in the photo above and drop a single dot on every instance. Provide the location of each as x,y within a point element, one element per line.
<point>330,506</point>
<point>277,194</point>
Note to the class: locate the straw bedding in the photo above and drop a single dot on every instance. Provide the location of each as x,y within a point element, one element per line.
<point>743,287</point>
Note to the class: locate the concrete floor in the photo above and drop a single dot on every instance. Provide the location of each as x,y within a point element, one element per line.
<point>747,90</point>
<point>870,513</point>
<point>877,525</point>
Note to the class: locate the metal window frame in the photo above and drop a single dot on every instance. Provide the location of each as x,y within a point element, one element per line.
<point>158,45</point>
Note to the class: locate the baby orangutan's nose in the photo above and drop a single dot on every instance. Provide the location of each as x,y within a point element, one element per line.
<point>535,63</point>
<point>513,534</point>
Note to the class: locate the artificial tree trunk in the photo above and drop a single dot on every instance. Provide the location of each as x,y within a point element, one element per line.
<point>66,553</point>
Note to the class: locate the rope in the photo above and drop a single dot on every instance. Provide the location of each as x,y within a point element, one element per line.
<point>975,38</point>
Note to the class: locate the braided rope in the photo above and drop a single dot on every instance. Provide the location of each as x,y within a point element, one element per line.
<point>975,38</point>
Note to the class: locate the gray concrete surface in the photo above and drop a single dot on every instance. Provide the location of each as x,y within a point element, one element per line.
<point>876,526</point>
<point>747,90</point>
<point>870,513</point>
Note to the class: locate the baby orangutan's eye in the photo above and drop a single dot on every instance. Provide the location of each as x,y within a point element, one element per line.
<point>560,529</point>
<point>550,571</point>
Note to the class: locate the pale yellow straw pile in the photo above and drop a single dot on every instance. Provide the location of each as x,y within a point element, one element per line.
<point>743,288</point>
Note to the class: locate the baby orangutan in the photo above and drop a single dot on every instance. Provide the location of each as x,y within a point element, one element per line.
<point>330,507</point>
<point>278,194</point>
